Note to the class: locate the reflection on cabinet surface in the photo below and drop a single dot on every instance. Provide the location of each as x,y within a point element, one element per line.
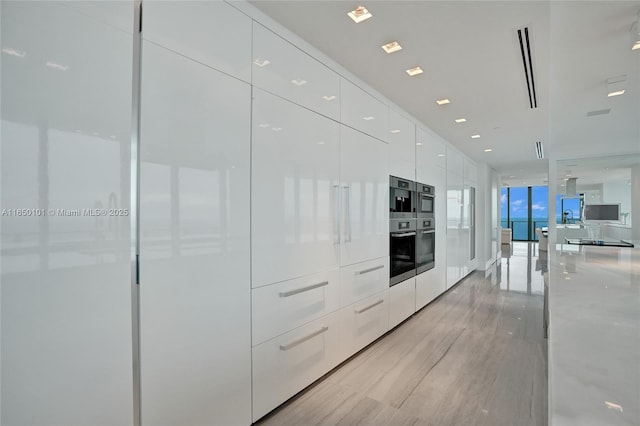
<point>194,239</point>
<point>66,278</point>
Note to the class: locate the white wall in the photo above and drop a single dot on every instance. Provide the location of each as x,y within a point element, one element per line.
<point>618,192</point>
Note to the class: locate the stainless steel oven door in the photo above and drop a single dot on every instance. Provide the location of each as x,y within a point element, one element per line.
<point>402,250</point>
<point>425,245</point>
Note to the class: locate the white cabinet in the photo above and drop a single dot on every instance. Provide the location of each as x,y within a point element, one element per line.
<point>288,363</point>
<point>402,146</point>
<point>364,321</point>
<point>364,185</point>
<point>210,32</point>
<point>362,111</point>
<point>470,172</point>
<point>295,191</point>
<point>402,301</point>
<point>428,287</point>
<point>455,209</point>
<point>281,68</point>
<point>363,279</point>
<point>66,279</point>
<point>278,308</point>
<point>194,239</point>
<point>431,152</point>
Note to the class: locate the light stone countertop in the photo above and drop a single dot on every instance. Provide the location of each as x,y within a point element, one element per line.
<point>594,336</point>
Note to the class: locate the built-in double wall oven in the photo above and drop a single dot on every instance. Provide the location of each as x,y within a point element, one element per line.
<point>411,228</point>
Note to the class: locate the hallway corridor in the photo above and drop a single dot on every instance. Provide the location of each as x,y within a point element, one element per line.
<point>475,356</point>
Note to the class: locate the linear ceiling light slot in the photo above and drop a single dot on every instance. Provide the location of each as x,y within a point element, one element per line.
<point>527,62</point>
<point>539,151</point>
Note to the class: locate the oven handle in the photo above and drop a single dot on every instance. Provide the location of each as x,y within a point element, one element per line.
<point>404,234</point>
<point>431,231</point>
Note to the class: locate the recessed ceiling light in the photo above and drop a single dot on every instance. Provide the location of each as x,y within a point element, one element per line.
<point>414,71</point>
<point>299,82</point>
<point>461,120</point>
<point>368,118</point>
<point>261,62</point>
<point>276,129</point>
<point>419,143</point>
<point>395,131</point>
<point>394,46</point>
<point>359,14</point>
<point>14,52</point>
<point>443,101</point>
<point>440,155</point>
<point>488,150</point>
<point>616,85</point>
<point>263,125</point>
<point>57,66</point>
<point>636,45</point>
<point>321,143</point>
<point>328,98</point>
<point>475,136</point>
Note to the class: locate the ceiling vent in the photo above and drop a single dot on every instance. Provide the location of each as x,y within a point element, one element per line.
<point>524,38</point>
<point>539,151</point>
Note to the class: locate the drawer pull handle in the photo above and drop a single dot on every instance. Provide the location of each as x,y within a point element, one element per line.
<point>359,311</point>
<point>303,289</point>
<point>366,271</point>
<point>290,345</point>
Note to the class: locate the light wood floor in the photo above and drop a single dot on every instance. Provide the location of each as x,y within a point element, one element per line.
<point>475,356</point>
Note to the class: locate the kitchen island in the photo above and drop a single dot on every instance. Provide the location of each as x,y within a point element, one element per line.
<point>594,335</point>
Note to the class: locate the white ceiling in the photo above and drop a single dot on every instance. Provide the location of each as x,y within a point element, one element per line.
<point>470,54</point>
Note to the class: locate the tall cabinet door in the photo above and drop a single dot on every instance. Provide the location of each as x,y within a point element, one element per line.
<point>295,191</point>
<point>65,343</point>
<point>364,185</point>
<point>194,235</point>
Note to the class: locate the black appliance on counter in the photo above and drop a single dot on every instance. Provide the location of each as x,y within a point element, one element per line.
<point>402,195</point>
<point>412,230</point>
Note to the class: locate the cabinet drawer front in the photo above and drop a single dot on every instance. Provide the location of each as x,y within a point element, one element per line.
<point>402,301</point>
<point>281,307</point>
<point>363,279</point>
<point>287,364</point>
<point>367,320</point>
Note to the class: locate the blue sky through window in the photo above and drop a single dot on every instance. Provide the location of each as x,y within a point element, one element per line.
<point>515,201</point>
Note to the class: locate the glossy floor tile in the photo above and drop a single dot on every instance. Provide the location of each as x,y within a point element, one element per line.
<point>475,356</point>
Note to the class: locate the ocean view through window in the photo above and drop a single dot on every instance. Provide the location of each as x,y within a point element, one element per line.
<point>523,209</point>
